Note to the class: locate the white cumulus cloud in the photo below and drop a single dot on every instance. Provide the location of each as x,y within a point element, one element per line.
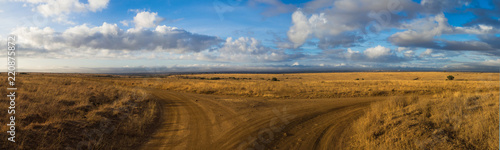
<point>60,9</point>
<point>300,30</point>
<point>245,49</point>
<point>427,52</point>
<point>377,52</point>
<point>109,39</point>
<point>146,19</point>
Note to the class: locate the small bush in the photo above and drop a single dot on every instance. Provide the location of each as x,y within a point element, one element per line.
<point>450,77</point>
<point>274,79</point>
<point>215,78</point>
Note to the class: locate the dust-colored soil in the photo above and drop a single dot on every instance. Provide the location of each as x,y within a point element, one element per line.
<point>194,121</point>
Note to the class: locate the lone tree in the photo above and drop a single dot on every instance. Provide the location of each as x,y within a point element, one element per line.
<point>450,77</point>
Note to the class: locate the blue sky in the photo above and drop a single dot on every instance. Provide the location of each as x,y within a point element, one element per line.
<point>100,36</point>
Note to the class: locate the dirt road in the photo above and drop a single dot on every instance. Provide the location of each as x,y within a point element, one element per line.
<point>194,121</point>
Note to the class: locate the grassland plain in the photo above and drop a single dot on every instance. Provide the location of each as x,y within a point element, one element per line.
<point>66,111</point>
<point>322,85</point>
<point>425,110</point>
<point>69,109</point>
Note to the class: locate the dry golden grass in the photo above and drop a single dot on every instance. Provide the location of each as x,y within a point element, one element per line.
<point>109,112</point>
<point>425,111</point>
<point>66,111</point>
<point>321,85</point>
<point>451,120</point>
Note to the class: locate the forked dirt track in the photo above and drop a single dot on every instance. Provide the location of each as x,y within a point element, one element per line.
<point>194,121</point>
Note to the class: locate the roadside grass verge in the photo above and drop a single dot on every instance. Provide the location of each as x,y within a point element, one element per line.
<point>70,112</point>
<point>452,120</point>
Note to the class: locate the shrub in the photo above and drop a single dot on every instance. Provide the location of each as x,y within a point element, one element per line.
<point>450,77</point>
<point>274,79</point>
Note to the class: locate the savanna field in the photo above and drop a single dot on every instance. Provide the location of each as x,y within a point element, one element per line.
<point>67,111</point>
<point>250,75</point>
<point>420,110</point>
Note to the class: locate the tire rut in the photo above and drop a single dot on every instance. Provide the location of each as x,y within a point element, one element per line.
<point>195,121</point>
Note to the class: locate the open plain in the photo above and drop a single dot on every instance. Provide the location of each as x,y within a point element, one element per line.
<point>359,110</point>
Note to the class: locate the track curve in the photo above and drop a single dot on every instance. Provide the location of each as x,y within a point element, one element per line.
<point>195,121</point>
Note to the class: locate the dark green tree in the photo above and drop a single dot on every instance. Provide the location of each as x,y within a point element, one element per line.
<point>450,77</point>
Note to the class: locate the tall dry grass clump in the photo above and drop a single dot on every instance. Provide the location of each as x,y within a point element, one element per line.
<point>59,111</point>
<point>452,120</point>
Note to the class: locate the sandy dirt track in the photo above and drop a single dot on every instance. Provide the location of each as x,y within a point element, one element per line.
<point>194,121</point>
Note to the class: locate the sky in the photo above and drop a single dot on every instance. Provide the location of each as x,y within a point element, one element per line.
<point>136,36</point>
